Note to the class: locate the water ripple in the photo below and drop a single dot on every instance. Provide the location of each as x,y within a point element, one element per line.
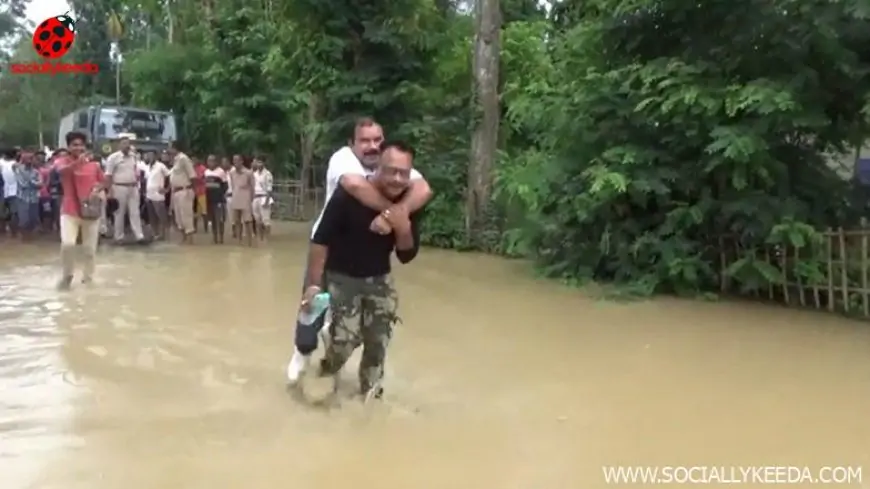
<point>35,399</point>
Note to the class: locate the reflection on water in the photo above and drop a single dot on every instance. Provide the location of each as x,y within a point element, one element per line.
<point>36,402</point>
<point>168,373</point>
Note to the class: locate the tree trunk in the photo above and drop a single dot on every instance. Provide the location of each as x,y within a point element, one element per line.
<point>40,128</point>
<point>307,145</point>
<point>170,21</point>
<point>484,142</point>
<point>118,80</point>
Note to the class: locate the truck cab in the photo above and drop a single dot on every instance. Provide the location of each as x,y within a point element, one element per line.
<point>104,125</point>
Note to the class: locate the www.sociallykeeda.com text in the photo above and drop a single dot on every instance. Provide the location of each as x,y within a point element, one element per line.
<point>844,475</point>
<point>53,68</point>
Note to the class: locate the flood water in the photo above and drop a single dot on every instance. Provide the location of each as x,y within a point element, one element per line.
<point>168,373</point>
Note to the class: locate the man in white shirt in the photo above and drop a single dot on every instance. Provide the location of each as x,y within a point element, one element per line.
<point>10,188</point>
<point>122,170</point>
<point>262,204</point>
<point>350,167</point>
<point>156,174</point>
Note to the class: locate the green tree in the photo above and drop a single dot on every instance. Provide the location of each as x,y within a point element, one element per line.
<point>12,18</point>
<point>608,139</point>
<point>92,46</point>
<point>672,124</point>
<point>32,104</point>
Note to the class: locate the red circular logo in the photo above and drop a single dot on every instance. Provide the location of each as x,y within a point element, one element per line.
<point>54,36</point>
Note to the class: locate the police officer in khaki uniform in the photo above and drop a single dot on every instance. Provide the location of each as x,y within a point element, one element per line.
<point>122,172</point>
<point>181,178</point>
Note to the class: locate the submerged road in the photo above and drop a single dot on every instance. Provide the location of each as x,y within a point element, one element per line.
<point>168,373</point>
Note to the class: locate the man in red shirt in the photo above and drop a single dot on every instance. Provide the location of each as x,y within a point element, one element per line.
<point>83,184</point>
<point>199,203</point>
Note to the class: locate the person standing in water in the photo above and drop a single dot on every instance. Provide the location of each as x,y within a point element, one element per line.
<point>356,261</point>
<point>82,180</point>
<point>29,184</point>
<point>170,216</point>
<point>55,188</point>
<point>46,217</point>
<point>181,178</point>
<point>216,191</point>
<point>142,170</point>
<point>241,182</point>
<point>10,190</point>
<point>349,168</point>
<point>228,166</point>
<point>122,170</point>
<point>200,204</point>
<point>262,204</point>
<point>155,195</point>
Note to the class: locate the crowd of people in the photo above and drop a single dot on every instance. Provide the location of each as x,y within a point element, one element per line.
<point>30,203</point>
<point>373,209</point>
<point>146,195</point>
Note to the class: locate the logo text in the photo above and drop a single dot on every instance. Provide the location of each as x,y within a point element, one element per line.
<point>53,68</point>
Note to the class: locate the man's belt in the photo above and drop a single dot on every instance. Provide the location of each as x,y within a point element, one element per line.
<point>183,187</point>
<point>133,184</point>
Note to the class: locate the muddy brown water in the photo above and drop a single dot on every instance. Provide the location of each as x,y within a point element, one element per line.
<point>168,373</point>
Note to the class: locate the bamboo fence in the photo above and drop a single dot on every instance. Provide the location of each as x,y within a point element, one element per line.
<point>832,275</point>
<point>293,203</point>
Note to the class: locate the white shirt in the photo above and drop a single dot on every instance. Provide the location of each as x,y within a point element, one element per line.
<point>217,172</point>
<point>262,182</point>
<point>344,162</point>
<point>10,180</point>
<point>223,175</point>
<point>155,179</point>
<point>123,168</point>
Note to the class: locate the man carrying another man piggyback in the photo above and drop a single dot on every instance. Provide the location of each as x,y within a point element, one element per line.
<point>399,192</point>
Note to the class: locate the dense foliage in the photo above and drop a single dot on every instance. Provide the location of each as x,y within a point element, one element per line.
<point>633,135</point>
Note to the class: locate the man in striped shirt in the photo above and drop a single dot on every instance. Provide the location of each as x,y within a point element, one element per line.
<point>350,168</point>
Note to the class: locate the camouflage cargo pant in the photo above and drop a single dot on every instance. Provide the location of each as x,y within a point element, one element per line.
<point>363,313</point>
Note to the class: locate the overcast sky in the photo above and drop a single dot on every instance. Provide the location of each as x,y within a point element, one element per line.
<point>39,10</point>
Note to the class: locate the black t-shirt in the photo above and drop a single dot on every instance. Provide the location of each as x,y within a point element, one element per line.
<point>355,250</point>
<point>215,188</point>
<point>54,186</point>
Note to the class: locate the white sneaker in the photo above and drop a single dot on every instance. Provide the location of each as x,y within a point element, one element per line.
<point>297,366</point>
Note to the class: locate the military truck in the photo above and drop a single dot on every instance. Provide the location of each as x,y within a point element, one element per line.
<point>104,124</point>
